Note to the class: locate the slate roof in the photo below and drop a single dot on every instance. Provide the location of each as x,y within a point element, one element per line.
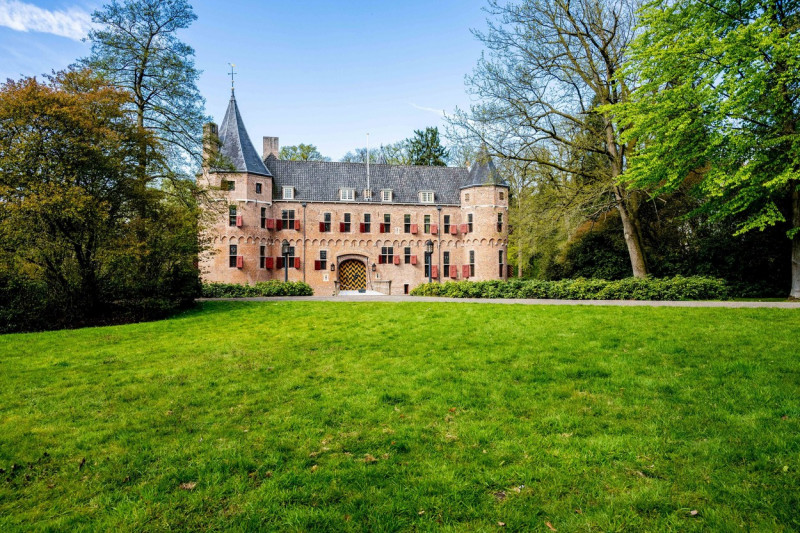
<point>236,145</point>
<point>483,172</point>
<point>321,180</point>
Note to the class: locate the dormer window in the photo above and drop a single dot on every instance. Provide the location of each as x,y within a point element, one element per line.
<point>426,197</point>
<point>386,195</point>
<point>288,193</point>
<point>347,195</point>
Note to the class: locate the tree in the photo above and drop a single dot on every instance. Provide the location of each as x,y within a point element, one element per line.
<point>424,148</point>
<point>550,68</point>
<point>388,154</point>
<point>76,216</point>
<point>136,48</point>
<point>720,99</point>
<point>302,152</point>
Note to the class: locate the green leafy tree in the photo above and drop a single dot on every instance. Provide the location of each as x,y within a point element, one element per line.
<point>425,148</point>
<point>720,99</point>
<point>302,152</point>
<point>76,216</point>
<point>548,69</point>
<point>135,46</point>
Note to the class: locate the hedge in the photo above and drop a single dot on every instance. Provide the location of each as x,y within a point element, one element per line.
<point>677,288</point>
<point>262,288</point>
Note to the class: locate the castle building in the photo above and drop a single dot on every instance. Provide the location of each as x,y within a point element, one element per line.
<point>347,226</point>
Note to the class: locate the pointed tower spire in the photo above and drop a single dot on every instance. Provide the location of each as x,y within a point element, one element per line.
<point>483,171</point>
<point>236,144</point>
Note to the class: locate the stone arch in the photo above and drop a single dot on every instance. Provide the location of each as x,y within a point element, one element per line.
<point>491,242</point>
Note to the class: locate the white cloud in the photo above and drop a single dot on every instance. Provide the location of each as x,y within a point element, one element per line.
<point>73,23</point>
<point>439,112</point>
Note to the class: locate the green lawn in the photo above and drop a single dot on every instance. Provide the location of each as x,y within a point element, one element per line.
<point>314,416</point>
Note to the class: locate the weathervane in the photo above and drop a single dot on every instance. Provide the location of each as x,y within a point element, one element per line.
<point>232,65</point>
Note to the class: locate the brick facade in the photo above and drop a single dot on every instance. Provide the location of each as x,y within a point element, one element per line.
<point>255,231</point>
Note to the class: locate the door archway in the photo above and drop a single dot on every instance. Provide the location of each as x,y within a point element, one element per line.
<point>352,275</point>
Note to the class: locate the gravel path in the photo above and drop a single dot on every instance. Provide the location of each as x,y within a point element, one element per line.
<point>620,303</point>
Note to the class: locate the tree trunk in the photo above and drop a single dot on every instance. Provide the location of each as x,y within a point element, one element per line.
<point>795,293</point>
<point>632,234</point>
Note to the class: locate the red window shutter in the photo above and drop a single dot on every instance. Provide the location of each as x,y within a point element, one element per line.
<point>322,227</point>
<point>380,259</point>
<point>238,221</point>
<point>453,230</point>
<point>239,261</point>
<point>270,263</point>
<point>435,272</point>
<point>464,228</point>
<point>509,271</point>
<point>297,262</point>
<point>465,271</point>
<point>341,227</point>
<point>297,225</point>
<point>414,229</point>
<point>434,229</point>
<point>362,227</point>
<point>397,260</point>
<point>453,271</point>
<point>383,227</point>
<point>317,264</point>
<point>413,259</point>
<point>270,223</point>
<point>279,262</point>
<point>278,224</point>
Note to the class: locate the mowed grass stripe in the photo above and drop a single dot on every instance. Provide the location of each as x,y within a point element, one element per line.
<point>413,416</point>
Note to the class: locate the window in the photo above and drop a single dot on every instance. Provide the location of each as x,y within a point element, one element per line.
<point>288,193</point>
<point>263,217</point>
<point>290,257</point>
<point>367,194</point>
<point>386,195</point>
<point>446,264</point>
<point>387,223</point>
<point>347,195</point>
<point>499,222</point>
<point>232,256</point>
<point>500,257</point>
<point>446,228</point>
<point>231,215</point>
<point>426,197</point>
<point>426,227</point>
<point>323,259</point>
<point>262,256</point>
<point>469,223</point>
<point>427,265</point>
<point>502,195</point>
<point>466,197</point>
<point>367,222</point>
<point>407,255</point>
<point>258,188</point>
<point>472,263</point>
<point>326,224</point>
<point>407,223</point>
<point>387,255</point>
<point>228,185</point>
<point>287,216</point>
<point>346,223</point>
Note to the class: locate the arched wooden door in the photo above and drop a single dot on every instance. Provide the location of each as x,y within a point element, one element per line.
<point>352,275</point>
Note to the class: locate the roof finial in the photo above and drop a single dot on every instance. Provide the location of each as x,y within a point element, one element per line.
<point>232,65</point>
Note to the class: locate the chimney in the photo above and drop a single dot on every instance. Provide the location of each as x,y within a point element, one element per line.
<point>271,147</point>
<point>210,142</point>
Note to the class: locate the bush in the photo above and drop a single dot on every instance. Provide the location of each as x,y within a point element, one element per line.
<point>677,288</point>
<point>262,288</point>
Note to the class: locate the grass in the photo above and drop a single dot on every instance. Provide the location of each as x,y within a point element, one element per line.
<point>313,416</point>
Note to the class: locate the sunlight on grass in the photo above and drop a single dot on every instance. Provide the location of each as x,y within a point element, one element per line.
<point>389,417</point>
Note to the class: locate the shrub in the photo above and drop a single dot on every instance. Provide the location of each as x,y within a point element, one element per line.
<point>677,288</point>
<point>262,288</point>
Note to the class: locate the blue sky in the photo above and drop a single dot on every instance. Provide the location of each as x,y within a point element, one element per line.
<point>321,72</point>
